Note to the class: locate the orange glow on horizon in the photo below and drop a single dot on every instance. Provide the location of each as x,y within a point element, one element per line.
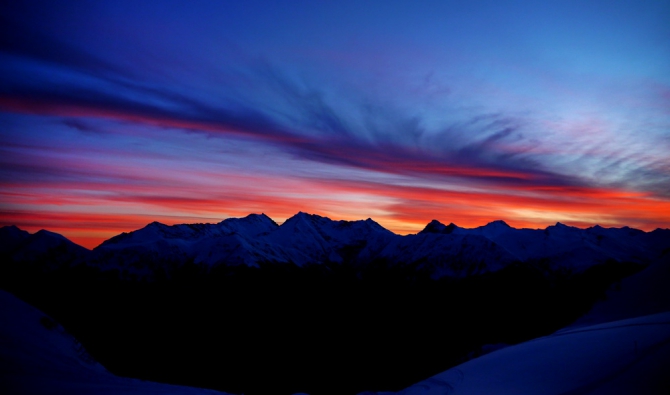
<point>95,198</point>
<point>406,209</point>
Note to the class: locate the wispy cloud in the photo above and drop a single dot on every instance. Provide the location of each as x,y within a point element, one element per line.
<point>317,132</point>
<point>225,122</point>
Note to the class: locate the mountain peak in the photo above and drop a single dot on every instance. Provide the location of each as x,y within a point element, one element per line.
<point>13,230</point>
<point>498,223</point>
<point>371,221</point>
<point>262,217</point>
<point>560,225</point>
<point>436,226</point>
<point>10,237</point>
<point>375,225</point>
<point>45,234</point>
<point>305,217</point>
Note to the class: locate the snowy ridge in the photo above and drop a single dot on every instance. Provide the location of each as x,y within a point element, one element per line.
<point>253,240</point>
<point>620,357</point>
<point>10,237</point>
<point>320,239</point>
<point>573,248</point>
<point>307,239</point>
<point>45,249</point>
<point>232,241</point>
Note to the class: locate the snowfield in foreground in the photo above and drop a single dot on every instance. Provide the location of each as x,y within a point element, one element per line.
<point>37,356</point>
<point>629,356</point>
<point>608,351</point>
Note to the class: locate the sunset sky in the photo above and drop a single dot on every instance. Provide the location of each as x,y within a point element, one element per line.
<point>118,114</point>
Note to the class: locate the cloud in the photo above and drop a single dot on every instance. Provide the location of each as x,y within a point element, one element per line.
<point>310,123</point>
<point>303,122</point>
<point>318,132</point>
<point>474,166</point>
<point>484,148</point>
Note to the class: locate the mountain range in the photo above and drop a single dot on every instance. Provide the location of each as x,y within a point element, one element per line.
<point>306,239</point>
<point>250,306</point>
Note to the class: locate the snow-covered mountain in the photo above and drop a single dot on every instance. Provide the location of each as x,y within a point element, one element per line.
<point>159,247</point>
<point>451,255</point>
<point>305,239</point>
<point>253,240</point>
<point>10,237</point>
<point>494,284</point>
<point>316,239</point>
<point>45,249</point>
<point>567,247</point>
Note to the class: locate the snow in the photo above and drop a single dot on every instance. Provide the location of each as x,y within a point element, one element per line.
<point>454,255</point>
<point>626,356</point>
<point>622,346</point>
<point>316,239</point>
<point>611,350</point>
<point>37,356</point>
<point>306,239</point>
<point>572,248</point>
<point>620,357</point>
<point>643,293</point>
<point>303,239</point>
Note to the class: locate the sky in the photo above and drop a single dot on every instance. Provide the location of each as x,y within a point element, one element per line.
<point>116,114</point>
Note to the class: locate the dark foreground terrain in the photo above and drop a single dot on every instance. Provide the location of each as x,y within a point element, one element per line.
<point>326,329</point>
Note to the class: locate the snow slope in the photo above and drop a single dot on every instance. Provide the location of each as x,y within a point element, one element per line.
<point>622,346</point>
<point>622,357</point>
<point>37,356</point>
<point>643,293</point>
